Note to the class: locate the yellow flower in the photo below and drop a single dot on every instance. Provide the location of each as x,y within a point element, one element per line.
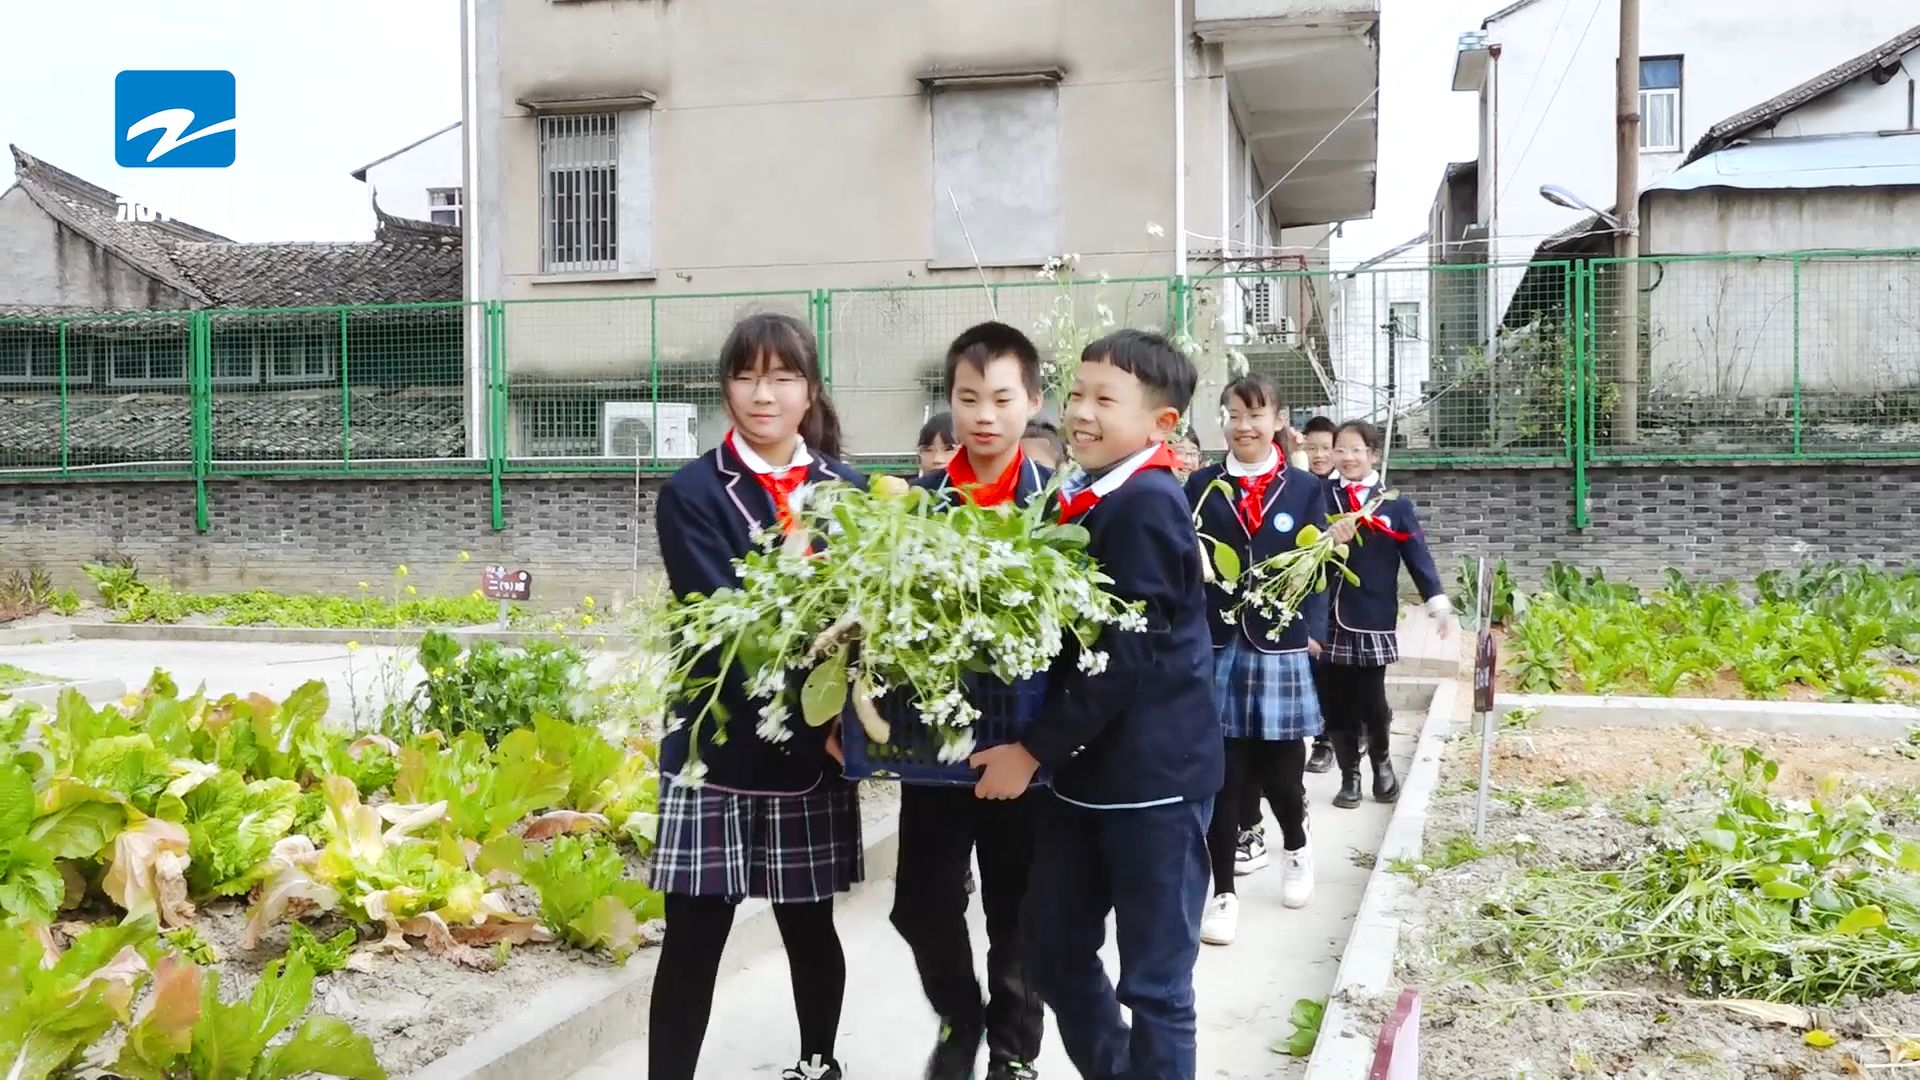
<point>586,620</point>
<point>478,595</point>
<point>600,640</point>
<point>412,591</point>
<point>588,601</point>
<point>438,672</point>
<point>363,585</point>
<point>353,646</point>
<point>465,556</point>
<point>401,571</point>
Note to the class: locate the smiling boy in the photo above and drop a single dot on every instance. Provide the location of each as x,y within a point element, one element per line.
<point>1130,734</point>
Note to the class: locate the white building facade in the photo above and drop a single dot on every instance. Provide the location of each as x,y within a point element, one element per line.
<point>420,181</point>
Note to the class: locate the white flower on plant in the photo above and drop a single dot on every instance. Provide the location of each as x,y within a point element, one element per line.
<point>773,722</point>
<point>1105,313</point>
<point>1154,229</point>
<point>1237,364</point>
<point>956,749</point>
<point>1093,661</point>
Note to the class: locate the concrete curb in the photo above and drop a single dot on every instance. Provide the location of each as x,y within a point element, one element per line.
<point>47,695</point>
<point>35,635</point>
<point>571,1025</point>
<point>1345,1049</point>
<point>299,635</point>
<point>1579,711</point>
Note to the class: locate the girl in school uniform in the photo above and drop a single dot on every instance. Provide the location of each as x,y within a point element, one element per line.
<point>1256,504</point>
<point>1365,616</point>
<point>769,814</point>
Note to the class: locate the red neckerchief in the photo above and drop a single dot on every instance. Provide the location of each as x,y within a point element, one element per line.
<point>1253,497</point>
<point>780,485</point>
<point>960,475</point>
<point>1086,498</point>
<point>1357,496</point>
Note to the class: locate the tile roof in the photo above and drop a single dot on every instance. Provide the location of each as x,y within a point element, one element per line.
<point>277,425</point>
<point>407,261</point>
<point>1771,110</point>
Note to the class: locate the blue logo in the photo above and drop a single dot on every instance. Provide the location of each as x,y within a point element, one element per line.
<point>174,119</point>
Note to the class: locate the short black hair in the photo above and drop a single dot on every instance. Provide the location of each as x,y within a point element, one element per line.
<point>1319,424</point>
<point>1164,371</point>
<point>982,344</point>
<point>1043,429</point>
<point>1367,432</point>
<point>938,426</point>
<point>1253,391</point>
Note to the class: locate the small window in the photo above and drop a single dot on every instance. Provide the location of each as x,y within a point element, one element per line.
<point>33,356</point>
<point>443,205</point>
<point>299,356</point>
<point>235,362</point>
<point>133,361</point>
<point>560,427</point>
<point>579,206</point>
<point>1406,320</point>
<point>1660,104</point>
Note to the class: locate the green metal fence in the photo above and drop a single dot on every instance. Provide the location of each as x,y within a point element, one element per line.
<point>1811,355</point>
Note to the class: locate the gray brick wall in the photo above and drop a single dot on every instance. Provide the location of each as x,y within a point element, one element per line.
<point>577,534</point>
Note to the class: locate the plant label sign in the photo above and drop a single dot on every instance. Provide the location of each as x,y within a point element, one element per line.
<point>1486,657</point>
<point>500,583</point>
<point>1396,1056</point>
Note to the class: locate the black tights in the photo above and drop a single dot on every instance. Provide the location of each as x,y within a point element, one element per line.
<point>697,929</point>
<point>1277,769</point>
<point>1356,701</point>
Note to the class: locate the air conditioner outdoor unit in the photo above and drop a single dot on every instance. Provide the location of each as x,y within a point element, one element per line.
<point>627,429</point>
<point>1280,331</point>
<point>1262,299</point>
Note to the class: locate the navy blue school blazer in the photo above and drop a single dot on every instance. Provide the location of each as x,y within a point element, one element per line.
<point>1294,498</point>
<point>707,515</point>
<point>1374,604</point>
<point>1143,731</point>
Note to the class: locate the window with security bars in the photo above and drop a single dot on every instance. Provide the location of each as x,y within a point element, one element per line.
<point>1405,316</point>
<point>1659,104</point>
<point>560,427</point>
<point>579,181</point>
<point>443,205</point>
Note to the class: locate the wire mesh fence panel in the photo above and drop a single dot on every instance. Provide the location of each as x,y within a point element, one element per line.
<point>97,395</point>
<point>1858,337</point>
<point>611,384</point>
<point>407,399</point>
<point>275,390</point>
<point>889,346</point>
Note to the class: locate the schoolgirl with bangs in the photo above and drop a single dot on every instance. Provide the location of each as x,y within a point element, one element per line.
<point>770,815</point>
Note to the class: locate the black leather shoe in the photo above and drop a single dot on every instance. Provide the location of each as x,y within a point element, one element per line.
<point>1349,796</point>
<point>1322,757</point>
<point>1386,786</point>
<point>1001,1069</point>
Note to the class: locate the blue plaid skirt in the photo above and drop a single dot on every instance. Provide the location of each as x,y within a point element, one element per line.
<point>1264,695</point>
<point>789,849</point>
<point>1363,648</point>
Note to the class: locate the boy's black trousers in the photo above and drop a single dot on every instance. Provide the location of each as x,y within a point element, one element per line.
<point>940,830</point>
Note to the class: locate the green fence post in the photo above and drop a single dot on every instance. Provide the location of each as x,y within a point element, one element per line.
<point>826,337</point>
<point>493,317</point>
<point>200,409</point>
<point>653,363</point>
<point>346,402</point>
<point>1583,291</point>
<point>1798,421</point>
<point>66,440</point>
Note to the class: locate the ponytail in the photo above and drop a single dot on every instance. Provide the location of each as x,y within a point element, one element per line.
<point>821,426</point>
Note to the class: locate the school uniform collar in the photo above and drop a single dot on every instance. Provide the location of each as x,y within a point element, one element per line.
<point>754,462</point>
<point>1238,469</point>
<point>1109,481</point>
<point>1372,481</point>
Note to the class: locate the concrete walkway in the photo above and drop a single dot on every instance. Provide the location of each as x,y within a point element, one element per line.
<point>1245,990</point>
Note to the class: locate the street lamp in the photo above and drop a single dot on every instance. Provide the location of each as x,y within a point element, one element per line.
<point>1560,196</point>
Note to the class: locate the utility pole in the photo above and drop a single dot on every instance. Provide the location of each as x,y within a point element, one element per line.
<point>1626,207</point>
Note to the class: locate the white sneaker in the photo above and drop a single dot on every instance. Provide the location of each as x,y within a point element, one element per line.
<point>1221,921</point>
<point>1296,877</point>
<point>1250,854</point>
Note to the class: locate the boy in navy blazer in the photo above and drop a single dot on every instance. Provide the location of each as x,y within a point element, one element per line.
<point>993,384</point>
<point>1129,733</point>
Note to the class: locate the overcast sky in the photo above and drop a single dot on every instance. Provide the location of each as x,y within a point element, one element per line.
<point>325,86</point>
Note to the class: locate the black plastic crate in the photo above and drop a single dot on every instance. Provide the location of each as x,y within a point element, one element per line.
<point>911,753</point>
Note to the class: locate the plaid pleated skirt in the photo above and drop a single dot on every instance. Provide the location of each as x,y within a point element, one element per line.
<point>1363,648</point>
<point>789,849</point>
<point>1266,696</point>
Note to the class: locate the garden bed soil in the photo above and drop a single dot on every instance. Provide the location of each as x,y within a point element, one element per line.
<point>417,1006</point>
<point>1619,1025</point>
